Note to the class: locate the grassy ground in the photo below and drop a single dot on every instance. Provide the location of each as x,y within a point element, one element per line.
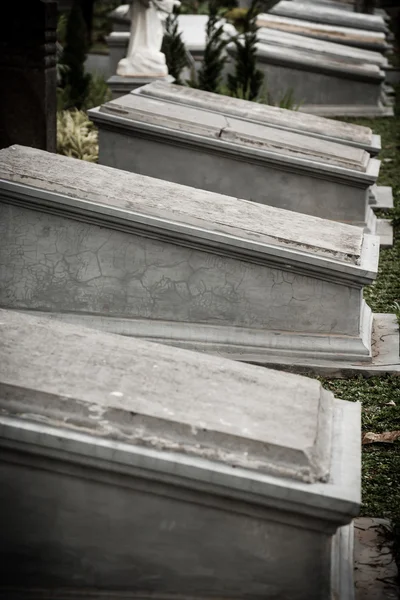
<point>381,462</point>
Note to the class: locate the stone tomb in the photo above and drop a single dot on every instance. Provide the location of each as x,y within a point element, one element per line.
<point>328,15</point>
<point>360,38</point>
<point>210,151</point>
<point>381,197</point>
<point>132,469</point>
<point>148,258</point>
<point>327,86</point>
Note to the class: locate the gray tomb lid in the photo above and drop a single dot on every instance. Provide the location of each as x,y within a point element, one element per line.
<point>142,111</point>
<point>328,14</point>
<point>325,48</point>
<point>262,113</point>
<point>185,215</point>
<point>343,35</point>
<point>315,60</point>
<point>163,398</point>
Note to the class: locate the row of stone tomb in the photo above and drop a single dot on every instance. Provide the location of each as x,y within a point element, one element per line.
<point>145,470</point>
<point>332,61</point>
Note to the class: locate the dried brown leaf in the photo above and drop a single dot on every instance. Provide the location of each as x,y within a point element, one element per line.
<point>387,437</point>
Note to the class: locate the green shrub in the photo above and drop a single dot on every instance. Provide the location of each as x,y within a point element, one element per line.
<point>247,80</point>
<point>210,74</point>
<point>77,136</point>
<point>74,79</point>
<point>101,22</point>
<point>97,93</point>
<point>174,49</point>
<point>264,97</point>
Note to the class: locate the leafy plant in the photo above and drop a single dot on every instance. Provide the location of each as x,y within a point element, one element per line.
<point>237,16</point>
<point>101,21</point>
<point>98,92</point>
<point>210,74</point>
<point>194,7</point>
<point>77,137</point>
<point>247,79</point>
<point>264,97</point>
<point>286,101</point>
<point>174,49</point>
<point>62,28</point>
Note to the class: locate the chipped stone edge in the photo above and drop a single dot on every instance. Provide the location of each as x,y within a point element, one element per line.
<point>332,504</point>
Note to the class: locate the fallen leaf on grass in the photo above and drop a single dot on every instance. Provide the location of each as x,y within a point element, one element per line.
<point>387,437</point>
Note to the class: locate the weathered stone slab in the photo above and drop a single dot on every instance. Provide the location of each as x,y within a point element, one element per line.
<point>328,15</point>
<point>149,258</point>
<point>109,444</point>
<point>316,79</point>
<point>328,49</point>
<point>230,156</point>
<point>264,114</point>
<point>370,40</point>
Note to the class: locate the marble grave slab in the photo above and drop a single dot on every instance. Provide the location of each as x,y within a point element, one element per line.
<point>360,38</point>
<point>150,258</point>
<point>132,469</point>
<point>333,50</point>
<point>328,15</point>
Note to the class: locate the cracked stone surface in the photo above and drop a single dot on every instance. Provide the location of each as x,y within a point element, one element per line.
<point>56,264</point>
<point>375,570</point>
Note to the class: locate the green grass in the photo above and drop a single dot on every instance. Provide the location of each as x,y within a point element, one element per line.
<point>381,462</point>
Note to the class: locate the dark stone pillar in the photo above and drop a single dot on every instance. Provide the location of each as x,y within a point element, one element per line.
<point>28,75</point>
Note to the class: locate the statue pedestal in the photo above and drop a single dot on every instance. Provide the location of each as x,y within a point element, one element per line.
<point>120,86</point>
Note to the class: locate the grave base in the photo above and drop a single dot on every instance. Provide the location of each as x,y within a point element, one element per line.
<point>386,355</point>
<point>381,197</point>
<point>385,344</point>
<point>355,110</point>
<point>385,231</point>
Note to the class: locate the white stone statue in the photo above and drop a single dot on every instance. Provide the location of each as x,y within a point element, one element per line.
<point>144,58</point>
